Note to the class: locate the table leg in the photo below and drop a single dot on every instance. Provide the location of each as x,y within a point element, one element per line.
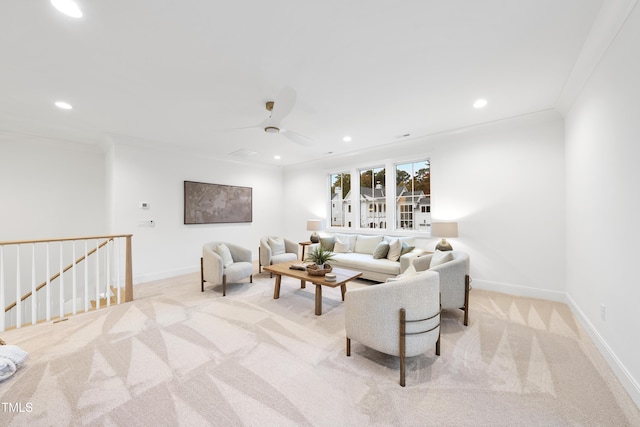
<point>343,290</point>
<point>318,300</point>
<point>303,284</point>
<point>276,291</point>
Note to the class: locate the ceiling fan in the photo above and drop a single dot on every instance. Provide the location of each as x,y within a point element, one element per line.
<point>278,110</point>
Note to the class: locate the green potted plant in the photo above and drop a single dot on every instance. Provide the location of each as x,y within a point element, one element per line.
<point>321,257</point>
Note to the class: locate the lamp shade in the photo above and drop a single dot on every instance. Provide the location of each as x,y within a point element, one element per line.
<point>444,229</point>
<point>314,225</point>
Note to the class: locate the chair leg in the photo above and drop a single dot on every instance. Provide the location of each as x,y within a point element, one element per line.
<point>403,348</point>
<point>259,263</point>
<point>348,346</point>
<point>201,274</point>
<point>466,299</point>
<point>224,285</point>
<point>251,279</point>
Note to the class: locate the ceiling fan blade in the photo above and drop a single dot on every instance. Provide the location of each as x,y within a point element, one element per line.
<point>283,104</point>
<point>296,137</point>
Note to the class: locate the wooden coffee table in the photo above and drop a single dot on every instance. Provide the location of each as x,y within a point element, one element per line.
<point>342,277</point>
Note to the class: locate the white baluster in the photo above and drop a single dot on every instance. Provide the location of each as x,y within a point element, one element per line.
<point>34,302</point>
<point>2,306</point>
<point>61,315</point>
<point>117,256</point>
<point>73,275</point>
<point>18,290</point>
<point>97,275</point>
<point>108,266</point>
<point>48,288</point>
<point>86,277</point>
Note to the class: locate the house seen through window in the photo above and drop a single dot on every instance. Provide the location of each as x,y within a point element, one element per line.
<point>411,198</point>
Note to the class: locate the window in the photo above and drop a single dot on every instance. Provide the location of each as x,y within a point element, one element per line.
<point>372,197</point>
<point>410,210</point>
<point>340,196</point>
<point>413,195</point>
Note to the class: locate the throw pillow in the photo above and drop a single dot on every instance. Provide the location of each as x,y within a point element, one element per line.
<point>366,244</point>
<point>381,250</point>
<point>440,257</point>
<point>327,243</point>
<point>409,272</point>
<point>341,246</point>
<point>277,245</point>
<point>395,247</point>
<point>406,248</point>
<point>225,254</point>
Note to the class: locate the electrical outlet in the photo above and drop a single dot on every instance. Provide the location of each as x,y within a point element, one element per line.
<point>602,312</point>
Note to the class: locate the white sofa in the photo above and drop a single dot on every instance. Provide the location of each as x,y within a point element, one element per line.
<point>356,252</point>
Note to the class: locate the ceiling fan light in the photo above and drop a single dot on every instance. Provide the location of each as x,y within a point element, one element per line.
<point>271,129</point>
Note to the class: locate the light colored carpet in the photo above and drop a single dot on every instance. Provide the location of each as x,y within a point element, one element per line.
<point>176,356</point>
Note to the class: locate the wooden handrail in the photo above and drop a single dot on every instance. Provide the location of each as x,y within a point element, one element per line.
<point>55,276</point>
<point>128,283</point>
<point>64,239</point>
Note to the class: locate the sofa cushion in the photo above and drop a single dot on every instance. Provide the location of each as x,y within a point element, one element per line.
<point>365,262</point>
<point>327,243</point>
<point>440,257</point>
<point>277,245</point>
<point>367,244</point>
<point>395,248</point>
<point>409,240</point>
<point>381,250</point>
<point>341,245</point>
<point>223,251</point>
<point>409,272</point>
<point>406,248</point>
<point>351,238</point>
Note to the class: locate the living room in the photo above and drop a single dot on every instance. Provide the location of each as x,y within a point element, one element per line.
<point>531,193</point>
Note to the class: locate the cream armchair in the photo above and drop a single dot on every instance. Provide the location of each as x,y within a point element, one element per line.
<point>274,250</point>
<point>221,266</point>
<point>454,278</point>
<point>400,318</point>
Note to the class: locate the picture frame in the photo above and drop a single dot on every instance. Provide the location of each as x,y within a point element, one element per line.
<point>206,203</point>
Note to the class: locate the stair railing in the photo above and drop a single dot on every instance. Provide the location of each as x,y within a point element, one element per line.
<point>98,285</point>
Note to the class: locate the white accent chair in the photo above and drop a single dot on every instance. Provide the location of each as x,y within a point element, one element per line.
<point>274,250</point>
<point>216,270</point>
<point>400,318</point>
<point>454,279</point>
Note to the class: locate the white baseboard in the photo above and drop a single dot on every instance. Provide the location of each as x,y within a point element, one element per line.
<point>521,291</point>
<point>167,274</point>
<point>619,370</point>
<point>627,380</point>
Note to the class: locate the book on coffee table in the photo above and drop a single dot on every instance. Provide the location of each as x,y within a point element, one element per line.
<point>302,266</point>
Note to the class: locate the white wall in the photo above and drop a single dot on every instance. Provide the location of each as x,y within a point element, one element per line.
<point>50,189</point>
<point>603,229</point>
<point>503,184</point>
<point>156,176</point>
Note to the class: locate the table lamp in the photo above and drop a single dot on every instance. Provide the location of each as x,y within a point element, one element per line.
<point>314,225</point>
<point>444,229</point>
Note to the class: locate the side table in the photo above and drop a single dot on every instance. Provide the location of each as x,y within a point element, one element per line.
<point>304,245</point>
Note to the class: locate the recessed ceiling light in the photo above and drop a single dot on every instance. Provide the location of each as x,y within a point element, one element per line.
<point>347,138</point>
<point>276,157</point>
<point>63,105</point>
<point>480,103</point>
<point>68,7</point>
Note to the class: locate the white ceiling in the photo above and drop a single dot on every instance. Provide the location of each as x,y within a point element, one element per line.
<point>181,72</point>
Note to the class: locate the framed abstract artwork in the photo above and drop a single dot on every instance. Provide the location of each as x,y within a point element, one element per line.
<point>214,203</point>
